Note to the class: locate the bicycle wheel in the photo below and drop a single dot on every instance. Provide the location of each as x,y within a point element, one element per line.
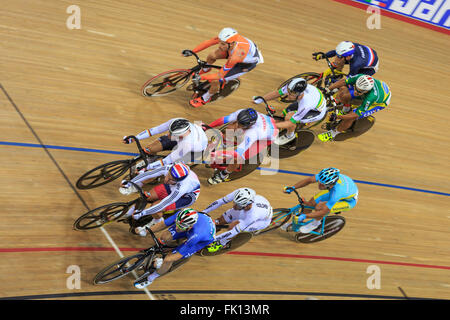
<point>303,141</point>
<point>313,78</point>
<point>238,240</point>
<point>101,216</point>
<point>358,128</point>
<point>332,226</point>
<point>165,83</point>
<point>228,89</point>
<point>120,268</point>
<point>279,217</point>
<point>103,174</point>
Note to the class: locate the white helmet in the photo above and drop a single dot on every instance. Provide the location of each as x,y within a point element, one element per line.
<point>365,83</point>
<point>226,34</point>
<point>345,49</point>
<point>244,197</point>
<point>297,85</point>
<point>179,126</point>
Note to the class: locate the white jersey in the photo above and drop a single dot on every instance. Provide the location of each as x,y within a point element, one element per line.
<point>257,218</point>
<point>263,129</point>
<point>188,186</point>
<point>196,141</point>
<point>312,99</point>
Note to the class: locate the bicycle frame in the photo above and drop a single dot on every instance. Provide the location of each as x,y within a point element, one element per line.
<point>299,209</point>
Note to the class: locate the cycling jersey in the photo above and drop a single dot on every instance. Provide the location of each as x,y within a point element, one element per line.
<point>188,187</point>
<point>243,57</point>
<point>312,100</point>
<point>375,100</point>
<point>364,60</point>
<point>199,236</point>
<point>195,142</point>
<point>263,129</point>
<point>342,196</point>
<point>256,218</point>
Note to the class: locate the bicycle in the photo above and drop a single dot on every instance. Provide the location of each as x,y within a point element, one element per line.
<point>358,127</point>
<point>141,261</point>
<point>110,171</point>
<point>237,241</point>
<point>330,224</point>
<point>109,213</point>
<point>172,80</point>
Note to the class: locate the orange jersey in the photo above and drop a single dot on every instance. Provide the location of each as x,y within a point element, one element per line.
<point>244,51</point>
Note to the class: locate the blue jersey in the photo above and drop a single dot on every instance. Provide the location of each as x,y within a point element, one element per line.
<point>344,190</point>
<point>364,60</point>
<point>199,236</point>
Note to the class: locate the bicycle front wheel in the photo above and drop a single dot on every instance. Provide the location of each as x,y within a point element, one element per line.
<point>165,83</point>
<point>103,174</point>
<point>101,216</point>
<point>120,268</point>
<point>279,217</point>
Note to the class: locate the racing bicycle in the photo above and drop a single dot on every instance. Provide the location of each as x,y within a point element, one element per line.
<point>330,224</point>
<point>172,80</point>
<point>141,263</point>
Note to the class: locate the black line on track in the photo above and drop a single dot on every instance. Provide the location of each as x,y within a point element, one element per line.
<point>44,147</point>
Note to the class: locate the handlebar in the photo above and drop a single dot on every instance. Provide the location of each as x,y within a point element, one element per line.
<point>270,111</point>
<point>141,150</point>
<point>328,62</point>
<point>202,63</point>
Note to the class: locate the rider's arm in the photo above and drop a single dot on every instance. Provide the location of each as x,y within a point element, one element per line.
<point>176,194</point>
<point>220,202</point>
<point>305,182</point>
<point>236,57</point>
<point>206,44</point>
<point>155,130</point>
<point>230,118</point>
<point>330,54</point>
<point>141,178</point>
<point>337,84</point>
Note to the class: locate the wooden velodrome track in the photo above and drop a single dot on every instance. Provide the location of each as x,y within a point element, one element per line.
<point>77,92</point>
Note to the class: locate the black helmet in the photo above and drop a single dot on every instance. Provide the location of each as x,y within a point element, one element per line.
<point>179,126</point>
<point>247,117</point>
<point>297,85</point>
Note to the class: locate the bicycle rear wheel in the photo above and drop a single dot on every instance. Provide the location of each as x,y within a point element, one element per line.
<point>332,226</point>
<point>101,216</point>
<point>279,217</point>
<point>165,83</point>
<point>103,174</point>
<point>120,268</point>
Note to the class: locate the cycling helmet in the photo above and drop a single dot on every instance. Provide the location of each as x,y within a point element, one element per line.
<point>186,218</point>
<point>179,171</point>
<point>247,117</point>
<point>365,83</point>
<point>244,197</point>
<point>328,176</point>
<point>297,85</point>
<point>345,49</point>
<point>179,126</point>
<point>227,34</point>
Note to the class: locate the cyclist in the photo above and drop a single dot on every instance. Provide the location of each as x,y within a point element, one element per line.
<point>339,193</point>
<point>199,231</point>
<point>179,189</point>
<point>310,106</point>
<point>254,129</point>
<point>184,138</point>
<point>250,212</point>
<point>242,56</point>
<point>361,59</point>
<point>375,94</point>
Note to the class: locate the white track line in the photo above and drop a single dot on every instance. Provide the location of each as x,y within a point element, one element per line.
<point>116,248</point>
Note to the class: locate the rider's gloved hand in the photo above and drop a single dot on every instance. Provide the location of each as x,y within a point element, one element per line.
<point>257,100</point>
<point>288,189</point>
<point>318,56</point>
<point>137,215</point>
<point>186,53</point>
<point>127,141</point>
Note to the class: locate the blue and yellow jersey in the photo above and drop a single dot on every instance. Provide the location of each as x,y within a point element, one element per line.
<point>345,189</point>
